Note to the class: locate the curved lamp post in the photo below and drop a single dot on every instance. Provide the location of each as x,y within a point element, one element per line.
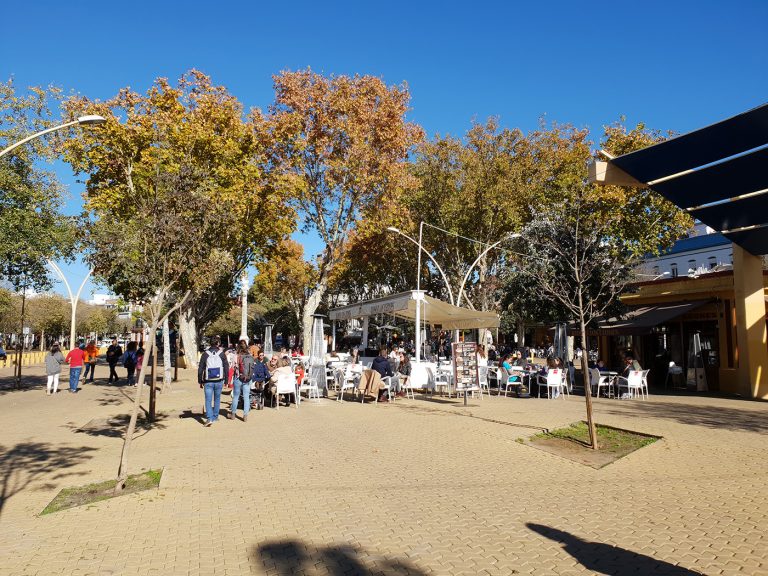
<point>445,278</point>
<point>471,267</point>
<point>73,300</point>
<point>89,120</point>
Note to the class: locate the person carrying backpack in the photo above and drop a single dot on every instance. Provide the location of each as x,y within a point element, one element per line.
<point>129,361</point>
<point>211,374</point>
<point>242,381</point>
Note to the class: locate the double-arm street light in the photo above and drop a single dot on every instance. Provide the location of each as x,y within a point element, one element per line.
<point>457,300</point>
<point>89,120</point>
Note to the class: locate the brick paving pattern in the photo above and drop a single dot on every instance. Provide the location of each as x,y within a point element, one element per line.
<point>414,487</point>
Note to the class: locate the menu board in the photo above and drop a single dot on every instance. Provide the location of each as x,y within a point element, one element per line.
<point>465,365</point>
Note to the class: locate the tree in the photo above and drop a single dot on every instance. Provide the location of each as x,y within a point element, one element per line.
<point>337,144</point>
<point>201,126</point>
<point>154,251</point>
<point>31,229</point>
<point>581,251</point>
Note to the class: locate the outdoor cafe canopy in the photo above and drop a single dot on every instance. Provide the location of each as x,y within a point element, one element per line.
<point>439,314</point>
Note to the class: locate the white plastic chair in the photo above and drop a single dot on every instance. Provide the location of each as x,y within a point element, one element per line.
<point>407,385</point>
<point>386,384</point>
<point>518,373</point>
<point>286,384</point>
<point>351,379</point>
<point>633,383</point>
<point>597,381</point>
<point>441,381</point>
<point>310,385</point>
<point>554,380</point>
<point>482,380</point>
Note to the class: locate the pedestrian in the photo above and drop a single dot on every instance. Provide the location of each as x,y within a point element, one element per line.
<point>114,354</point>
<point>130,361</point>
<point>211,374</point>
<point>90,364</point>
<point>53,362</point>
<point>75,359</point>
<point>260,376</point>
<point>242,381</point>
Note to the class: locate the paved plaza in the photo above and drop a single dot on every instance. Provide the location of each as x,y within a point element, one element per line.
<point>414,487</point>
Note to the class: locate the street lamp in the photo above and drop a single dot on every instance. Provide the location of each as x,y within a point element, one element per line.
<point>89,120</point>
<point>483,253</point>
<point>445,278</point>
<point>73,300</point>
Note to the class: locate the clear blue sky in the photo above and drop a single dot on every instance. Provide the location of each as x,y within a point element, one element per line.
<point>675,65</point>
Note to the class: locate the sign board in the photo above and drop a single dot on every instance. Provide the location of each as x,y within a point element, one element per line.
<point>26,330</point>
<point>464,365</point>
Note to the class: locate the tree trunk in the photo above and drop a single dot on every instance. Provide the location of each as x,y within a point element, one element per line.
<point>587,388</point>
<point>166,354</point>
<point>122,471</point>
<point>188,333</point>
<point>310,307</point>
<point>520,329</point>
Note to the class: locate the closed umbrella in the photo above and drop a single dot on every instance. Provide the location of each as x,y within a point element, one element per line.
<point>268,350</point>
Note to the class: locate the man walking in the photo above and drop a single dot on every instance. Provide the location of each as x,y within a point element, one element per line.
<point>114,353</point>
<point>92,352</point>
<point>211,373</point>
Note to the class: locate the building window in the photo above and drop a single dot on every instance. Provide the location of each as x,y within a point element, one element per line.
<point>692,266</point>
<point>712,262</point>
<point>655,270</point>
<point>674,269</point>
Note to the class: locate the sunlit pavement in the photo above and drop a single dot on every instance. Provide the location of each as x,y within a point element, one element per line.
<point>421,486</point>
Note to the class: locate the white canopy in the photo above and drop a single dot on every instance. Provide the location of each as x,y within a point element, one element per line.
<point>437,313</point>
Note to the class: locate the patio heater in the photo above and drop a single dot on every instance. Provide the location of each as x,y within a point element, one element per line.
<point>317,351</point>
<point>268,350</point>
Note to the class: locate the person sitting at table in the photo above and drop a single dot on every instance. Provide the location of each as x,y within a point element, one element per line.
<point>630,364</point>
<point>283,368</point>
<point>260,376</point>
<point>492,355</point>
<point>354,355</point>
<point>403,372</point>
<point>381,365</point>
<point>601,366</point>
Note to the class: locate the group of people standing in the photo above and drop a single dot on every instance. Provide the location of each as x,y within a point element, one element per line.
<point>86,356</point>
<point>248,371</point>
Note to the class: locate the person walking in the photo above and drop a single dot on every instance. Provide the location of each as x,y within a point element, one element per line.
<point>75,359</point>
<point>242,381</point>
<point>53,362</point>
<point>114,353</point>
<point>211,374</point>
<point>130,360</point>
<point>90,364</point>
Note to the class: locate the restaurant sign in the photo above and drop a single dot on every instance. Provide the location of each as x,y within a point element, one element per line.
<point>464,365</point>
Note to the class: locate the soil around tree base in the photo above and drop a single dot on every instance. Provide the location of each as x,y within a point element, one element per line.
<point>90,493</point>
<point>573,443</point>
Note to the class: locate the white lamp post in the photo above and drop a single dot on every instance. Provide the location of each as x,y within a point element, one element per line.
<point>89,120</point>
<point>73,300</point>
<point>483,253</point>
<point>244,308</point>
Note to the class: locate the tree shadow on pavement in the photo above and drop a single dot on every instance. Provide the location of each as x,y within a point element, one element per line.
<point>602,558</point>
<point>114,427</point>
<point>26,462</point>
<point>717,417</point>
<point>297,557</point>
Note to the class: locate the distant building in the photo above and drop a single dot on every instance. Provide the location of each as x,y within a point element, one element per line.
<point>701,251</point>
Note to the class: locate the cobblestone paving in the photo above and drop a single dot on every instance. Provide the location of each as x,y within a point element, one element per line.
<point>415,487</point>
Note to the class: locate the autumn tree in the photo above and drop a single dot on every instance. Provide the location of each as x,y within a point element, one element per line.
<point>201,126</point>
<point>338,143</point>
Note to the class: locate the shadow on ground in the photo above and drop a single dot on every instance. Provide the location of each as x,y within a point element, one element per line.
<point>24,463</point>
<point>606,559</point>
<point>114,427</point>
<point>717,417</point>
<point>297,557</point>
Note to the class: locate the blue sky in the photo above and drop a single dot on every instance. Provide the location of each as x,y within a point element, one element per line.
<point>673,65</point>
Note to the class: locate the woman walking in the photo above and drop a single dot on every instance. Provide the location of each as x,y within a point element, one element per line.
<point>53,362</point>
<point>75,359</point>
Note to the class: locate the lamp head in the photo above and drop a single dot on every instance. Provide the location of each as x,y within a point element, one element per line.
<point>91,120</point>
<point>393,229</point>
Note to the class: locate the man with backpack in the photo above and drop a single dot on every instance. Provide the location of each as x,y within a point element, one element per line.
<point>211,373</point>
<point>242,381</point>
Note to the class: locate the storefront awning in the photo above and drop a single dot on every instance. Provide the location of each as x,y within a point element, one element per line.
<point>642,320</point>
<point>434,312</point>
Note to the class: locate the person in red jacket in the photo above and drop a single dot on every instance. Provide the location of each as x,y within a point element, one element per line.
<point>75,359</point>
